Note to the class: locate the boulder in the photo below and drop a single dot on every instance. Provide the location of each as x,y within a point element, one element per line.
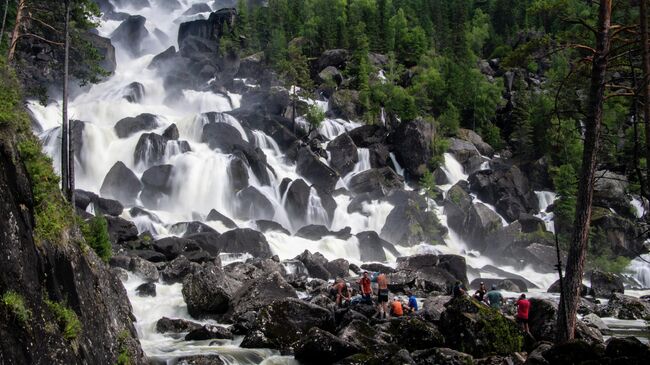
<point>163,58</point>
<point>129,126</point>
<point>238,174</point>
<point>627,348</point>
<point>604,284</point>
<point>149,255</point>
<point>131,33</point>
<point>251,204</point>
<point>480,222</point>
<point>414,334</point>
<point>371,246</point>
<point>107,207</point>
<point>316,232</point>
<point>442,356</point>
<point>245,240</point>
<point>120,230</point>
<point>339,268</point>
<point>144,269</point>
<point>133,92</point>
<point>207,292</point>
<point>555,288</point>
<point>146,290</point>
<point>172,247</point>
<point>315,171</point>
<point>296,200</point>
<point>330,74</point>
<point>610,191</point>
<point>412,144</point>
<point>343,154</point>
<point>462,150</point>
<point>284,322</point>
<point>315,264</point>
<point>265,226</point>
<point>198,8</point>
<point>333,57</point>
<point>177,269</point>
<point>542,320</point>
<point>216,216</point>
<point>189,228</point>
<point>478,329</point>
<point>151,148</point>
<point>410,224</point>
<point>321,347</point>
<point>169,325</point>
<point>432,307</point>
<point>345,104</point>
<point>457,205</point>
<point>209,332</point>
<point>199,360</point>
<point>121,183</point>
<point>378,182</point>
<point>171,133</point>
<point>573,352</point>
<point>368,135</point>
<point>207,241</point>
<point>106,52</point>
<point>592,320</point>
<point>429,272</point>
<point>624,307</point>
<point>472,137</point>
<point>515,285</point>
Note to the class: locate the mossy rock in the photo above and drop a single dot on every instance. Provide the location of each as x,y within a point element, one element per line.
<point>473,328</point>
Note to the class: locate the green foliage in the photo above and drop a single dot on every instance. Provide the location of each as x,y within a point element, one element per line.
<point>449,121</point>
<point>566,186</point>
<point>15,304</point>
<point>491,135</point>
<point>11,112</point>
<point>124,358</point>
<point>428,185</point>
<point>96,235</point>
<point>314,116</point>
<point>600,255</point>
<point>53,215</point>
<point>67,319</point>
<point>499,333</point>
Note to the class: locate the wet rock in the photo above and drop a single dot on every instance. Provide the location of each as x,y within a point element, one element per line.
<point>251,204</point>
<point>120,230</point>
<point>412,143</point>
<point>573,352</point>
<point>144,269</point>
<point>146,290</point>
<point>472,137</point>
<point>209,332</point>
<point>604,284</point>
<point>284,322</point>
<point>343,154</point>
<point>162,59</point>
<point>315,264</point>
<point>190,228</point>
<point>464,325</point>
<point>368,135</point>
<point>207,241</point>
<point>432,307</point>
<point>129,126</point>
<point>592,320</point>
<point>316,232</point>
<point>610,192</point>
<point>120,261</point>
<point>321,347</point>
<point>429,272</point>
<point>168,325</point>
<point>265,226</point>
<point>624,307</point>
<point>178,269</point>
<point>172,247</point>
<point>462,150</point>
<point>315,171</point>
<point>339,268</point>
<point>330,74</point>
<point>297,200</point>
<point>543,319</point>
<point>442,356</point>
<point>216,216</point>
<point>457,205</point>
<point>131,33</point>
<point>627,348</point>
<point>415,334</point>
<point>410,224</point>
<point>207,292</point>
<point>480,222</point>
<point>509,284</point>
<point>151,149</point>
<point>149,255</point>
<point>555,288</point>
<point>171,133</point>
<point>375,181</point>
<point>375,267</point>
<point>238,174</point>
<point>371,246</point>
<point>245,240</point>
<point>198,8</point>
<point>333,57</point>
<point>133,93</point>
<point>107,207</point>
<point>200,360</point>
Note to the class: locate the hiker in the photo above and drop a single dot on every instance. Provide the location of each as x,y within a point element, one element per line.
<point>412,305</point>
<point>480,293</point>
<point>494,298</point>
<point>523,306</point>
<point>396,309</point>
<point>366,288</point>
<point>459,289</point>
<point>382,295</point>
<point>342,293</point>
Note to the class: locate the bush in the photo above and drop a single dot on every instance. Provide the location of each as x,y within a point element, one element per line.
<point>67,319</point>
<point>15,303</point>
<point>11,113</point>
<point>314,116</point>
<point>95,232</point>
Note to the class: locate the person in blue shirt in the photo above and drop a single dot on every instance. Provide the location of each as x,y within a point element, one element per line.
<point>412,306</point>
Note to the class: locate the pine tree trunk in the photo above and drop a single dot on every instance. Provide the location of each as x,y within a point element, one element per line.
<point>66,154</point>
<point>645,44</point>
<point>4,22</point>
<point>16,32</point>
<point>566,321</point>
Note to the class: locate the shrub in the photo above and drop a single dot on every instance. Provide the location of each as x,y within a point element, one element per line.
<point>314,116</point>
<point>95,232</point>
<point>11,113</point>
<point>67,319</point>
<point>15,303</point>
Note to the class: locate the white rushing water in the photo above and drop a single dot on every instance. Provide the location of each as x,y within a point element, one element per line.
<point>201,181</point>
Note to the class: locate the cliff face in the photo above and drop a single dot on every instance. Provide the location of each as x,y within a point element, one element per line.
<point>43,284</point>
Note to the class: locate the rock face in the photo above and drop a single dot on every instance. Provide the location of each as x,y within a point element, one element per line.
<point>207,292</point>
<point>624,307</point>
<point>79,281</point>
<point>284,322</point>
<point>378,182</point>
<point>131,125</point>
<point>543,319</point>
<point>321,347</point>
<point>604,284</point>
<point>413,146</point>
<point>343,154</point>
<point>245,240</point>
<point>260,292</point>
<point>131,33</point>
<point>408,225</point>
<point>317,172</point>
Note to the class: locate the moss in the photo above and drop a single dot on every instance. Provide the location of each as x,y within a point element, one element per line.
<point>15,304</point>
<point>498,333</point>
<point>53,215</point>
<point>124,357</point>
<point>12,114</point>
<point>455,196</point>
<point>67,319</point>
<point>96,234</point>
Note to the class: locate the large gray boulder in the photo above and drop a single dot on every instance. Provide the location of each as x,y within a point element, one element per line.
<point>252,204</point>
<point>604,284</point>
<point>412,143</point>
<point>121,183</point>
<point>260,292</point>
<point>129,126</point>
<point>377,182</point>
<point>316,171</point>
<point>343,154</point>
<point>245,240</point>
<point>207,292</point>
<point>410,224</point>
<point>131,33</point>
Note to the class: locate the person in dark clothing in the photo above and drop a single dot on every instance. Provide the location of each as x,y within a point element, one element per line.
<point>382,295</point>
<point>480,293</point>
<point>459,289</point>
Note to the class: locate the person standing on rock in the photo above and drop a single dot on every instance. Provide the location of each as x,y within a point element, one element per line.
<point>523,306</point>
<point>342,292</point>
<point>382,295</point>
<point>366,288</point>
<point>494,298</point>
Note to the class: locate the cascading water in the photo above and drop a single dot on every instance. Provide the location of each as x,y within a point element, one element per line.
<point>201,180</point>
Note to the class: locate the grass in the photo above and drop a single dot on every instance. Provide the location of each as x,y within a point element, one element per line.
<point>67,319</point>
<point>124,358</point>
<point>15,303</point>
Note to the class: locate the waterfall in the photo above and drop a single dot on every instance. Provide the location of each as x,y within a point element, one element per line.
<point>398,168</point>
<point>640,270</point>
<point>453,169</point>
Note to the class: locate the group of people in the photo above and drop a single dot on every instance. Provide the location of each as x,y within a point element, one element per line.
<point>397,308</point>
<point>494,299</point>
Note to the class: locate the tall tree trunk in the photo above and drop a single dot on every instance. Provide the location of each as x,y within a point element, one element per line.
<point>65,128</point>
<point>645,44</point>
<point>634,115</point>
<point>566,320</point>
<point>4,21</point>
<point>16,32</point>
<point>66,77</point>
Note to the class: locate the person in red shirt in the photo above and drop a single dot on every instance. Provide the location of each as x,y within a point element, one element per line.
<point>523,306</point>
<point>366,288</point>
<point>396,308</point>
